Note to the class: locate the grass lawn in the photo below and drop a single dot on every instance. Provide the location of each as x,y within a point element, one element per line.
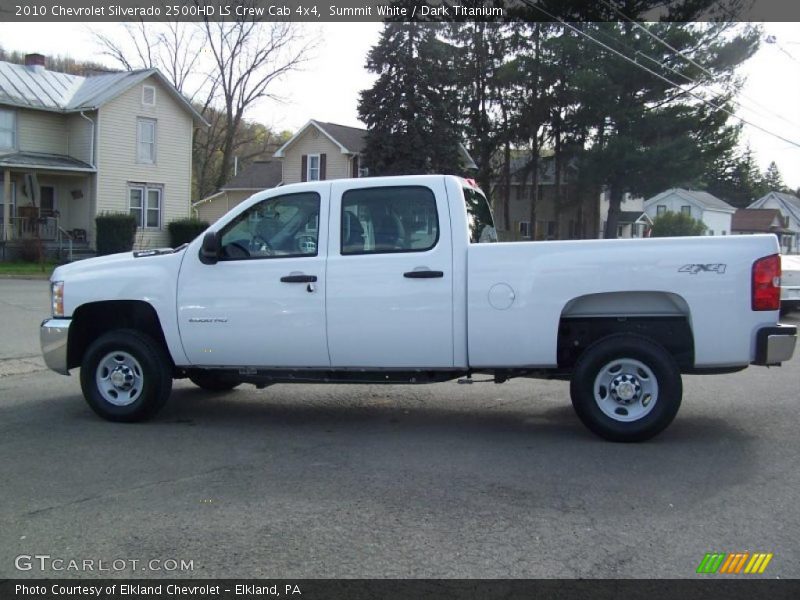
<point>26,269</point>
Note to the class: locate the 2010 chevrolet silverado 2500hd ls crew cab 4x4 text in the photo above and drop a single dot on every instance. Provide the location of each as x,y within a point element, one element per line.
<point>396,280</point>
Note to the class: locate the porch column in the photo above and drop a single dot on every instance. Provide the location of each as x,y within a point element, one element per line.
<point>6,204</point>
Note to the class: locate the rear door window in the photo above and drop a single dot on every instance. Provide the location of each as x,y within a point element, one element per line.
<point>389,219</point>
<point>479,217</point>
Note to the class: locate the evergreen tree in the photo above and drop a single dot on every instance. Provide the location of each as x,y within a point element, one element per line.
<point>736,179</point>
<point>411,112</point>
<point>649,134</point>
<point>773,180</point>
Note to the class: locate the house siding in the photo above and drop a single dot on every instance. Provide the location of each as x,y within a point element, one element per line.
<point>80,137</point>
<point>337,164</point>
<point>716,221</point>
<point>39,131</point>
<point>213,209</point>
<point>117,157</point>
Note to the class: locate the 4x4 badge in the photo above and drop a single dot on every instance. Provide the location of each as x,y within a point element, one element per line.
<point>718,268</point>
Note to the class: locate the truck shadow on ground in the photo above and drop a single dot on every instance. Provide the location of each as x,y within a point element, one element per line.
<point>512,446</point>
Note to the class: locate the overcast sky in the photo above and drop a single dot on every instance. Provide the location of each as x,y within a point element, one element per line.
<point>327,89</point>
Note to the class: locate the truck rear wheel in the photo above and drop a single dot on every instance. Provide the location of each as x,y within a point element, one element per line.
<point>126,376</point>
<point>213,382</point>
<point>626,388</point>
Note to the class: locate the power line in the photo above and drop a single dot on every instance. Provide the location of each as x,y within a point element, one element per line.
<point>690,60</point>
<point>659,76</point>
<point>765,112</point>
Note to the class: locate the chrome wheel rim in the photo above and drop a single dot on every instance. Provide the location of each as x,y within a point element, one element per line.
<point>626,390</point>
<point>119,378</point>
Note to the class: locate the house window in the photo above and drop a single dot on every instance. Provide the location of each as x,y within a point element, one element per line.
<point>525,229</point>
<point>146,140</point>
<point>144,203</point>
<point>710,232</point>
<point>8,129</point>
<point>148,95</point>
<point>313,168</point>
<point>661,209</point>
<point>686,210</point>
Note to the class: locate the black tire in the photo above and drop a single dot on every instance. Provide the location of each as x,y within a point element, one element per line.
<point>152,385</point>
<point>600,358</point>
<point>213,382</point>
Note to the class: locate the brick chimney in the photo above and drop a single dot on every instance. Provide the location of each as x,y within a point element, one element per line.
<point>34,60</point>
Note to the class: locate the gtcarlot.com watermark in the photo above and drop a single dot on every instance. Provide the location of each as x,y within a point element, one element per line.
<point>48,563</point>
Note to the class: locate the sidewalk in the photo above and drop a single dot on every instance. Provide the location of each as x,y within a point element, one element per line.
<point>24,304</point>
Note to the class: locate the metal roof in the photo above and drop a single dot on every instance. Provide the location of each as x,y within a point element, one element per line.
<point>702,199</point>
<point>39,89</point>
<point>789,203</point>
<point>53,162</point>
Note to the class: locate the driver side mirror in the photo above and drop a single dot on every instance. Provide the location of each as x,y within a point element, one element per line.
<point>209,251</point>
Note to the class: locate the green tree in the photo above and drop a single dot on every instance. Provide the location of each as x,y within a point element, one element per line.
<point>773,180</point>
<point>736,179</point>
<point>672,224</point>
<point>649,134</point>
<point>411,111</point>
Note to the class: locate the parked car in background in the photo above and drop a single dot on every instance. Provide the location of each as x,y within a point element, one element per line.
<point>790,283</point>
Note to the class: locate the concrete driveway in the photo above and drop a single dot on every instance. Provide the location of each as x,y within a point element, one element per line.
<point>444,480</point>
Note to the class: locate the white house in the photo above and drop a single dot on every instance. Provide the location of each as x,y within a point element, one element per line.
<point>73,147</point>
<point>702,206</point>
<point>789,206</point>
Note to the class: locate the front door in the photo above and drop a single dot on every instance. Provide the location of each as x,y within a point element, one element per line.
<point>390,280</point>
<point>47,201</point>
<point>263,303</point>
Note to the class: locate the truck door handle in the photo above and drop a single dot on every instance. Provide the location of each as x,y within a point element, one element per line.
<point>294,278</point>
<point>423,274</point>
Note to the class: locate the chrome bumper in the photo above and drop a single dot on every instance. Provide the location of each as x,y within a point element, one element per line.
<point>53,337</point>
<point>775,345</point>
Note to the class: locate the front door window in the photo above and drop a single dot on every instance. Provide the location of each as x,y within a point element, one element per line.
<point>278,227</point>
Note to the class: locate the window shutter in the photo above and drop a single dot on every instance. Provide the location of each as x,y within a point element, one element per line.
<point>322,162</point>
<point>355,166</point>
<point>304,168</point>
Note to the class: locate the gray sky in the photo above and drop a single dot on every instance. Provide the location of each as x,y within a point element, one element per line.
<point>327,89</point>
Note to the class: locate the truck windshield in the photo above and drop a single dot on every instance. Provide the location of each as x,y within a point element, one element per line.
<point>479,217</point>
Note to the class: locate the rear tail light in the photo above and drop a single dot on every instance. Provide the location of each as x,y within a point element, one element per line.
<point>766,284</point>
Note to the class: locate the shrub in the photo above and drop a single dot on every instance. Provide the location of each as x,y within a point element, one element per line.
<point>673,224</point>
<point>30,251</point>
<point>184,231</point>
<point>115,233</point>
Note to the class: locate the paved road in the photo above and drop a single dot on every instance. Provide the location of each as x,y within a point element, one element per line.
<point>438,481</point>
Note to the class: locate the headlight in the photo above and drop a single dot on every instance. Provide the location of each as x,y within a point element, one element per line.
<point>57,298</point>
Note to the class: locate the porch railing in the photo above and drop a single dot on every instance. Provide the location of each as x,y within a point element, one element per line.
<point>29,228</point>
<point>61,236</point>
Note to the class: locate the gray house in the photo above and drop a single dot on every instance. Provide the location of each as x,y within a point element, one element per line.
<point>789,207</point>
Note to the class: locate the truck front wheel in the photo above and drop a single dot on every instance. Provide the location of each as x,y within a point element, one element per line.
<point>126,376</point>
<point>626,388</point>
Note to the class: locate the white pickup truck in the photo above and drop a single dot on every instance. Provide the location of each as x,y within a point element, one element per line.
<point>396,280</point>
